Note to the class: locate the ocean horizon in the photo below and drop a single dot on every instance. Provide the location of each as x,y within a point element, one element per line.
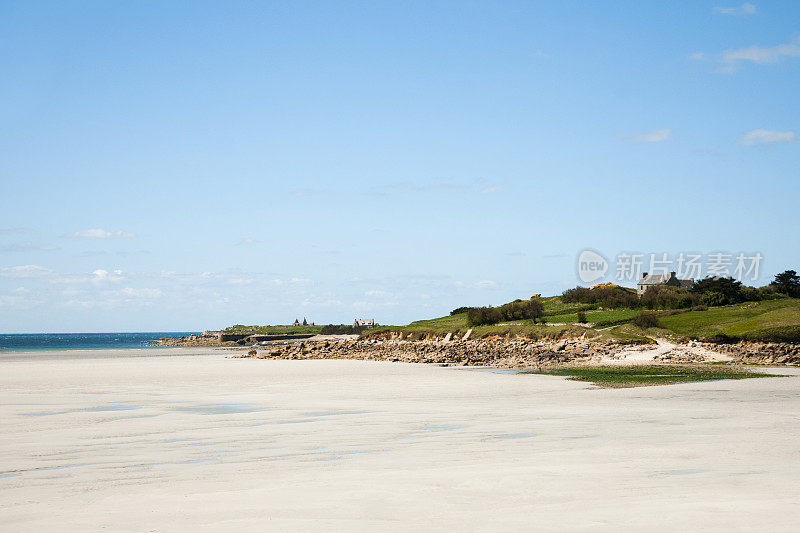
<point>25,342</point>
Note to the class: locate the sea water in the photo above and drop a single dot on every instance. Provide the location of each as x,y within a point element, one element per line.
<point>81,341</point>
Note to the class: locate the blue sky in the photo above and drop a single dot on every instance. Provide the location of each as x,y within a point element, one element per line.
<point>189,165</point>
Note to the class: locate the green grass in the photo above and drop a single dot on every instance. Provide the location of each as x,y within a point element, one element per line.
<point>777,320</point>
<point>612,315</point>
<point>626,333</point>
<point>267,330</point>
<point>767,321</point>
<point>553,306</point>
<point>641,376</point>
<point>457,325</point>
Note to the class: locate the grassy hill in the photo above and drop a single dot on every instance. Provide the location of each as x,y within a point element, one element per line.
<point>560,321</point>
<point>765,321</point>
<point>269,330</point>
<point>771,320</point>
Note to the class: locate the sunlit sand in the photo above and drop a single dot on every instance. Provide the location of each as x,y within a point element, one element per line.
<point>203,442</point>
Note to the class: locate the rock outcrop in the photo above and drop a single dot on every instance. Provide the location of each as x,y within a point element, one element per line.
<point>773,353</point>
<point>509,354</point>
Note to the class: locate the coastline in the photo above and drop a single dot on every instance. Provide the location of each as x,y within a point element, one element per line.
<point>509,352</point>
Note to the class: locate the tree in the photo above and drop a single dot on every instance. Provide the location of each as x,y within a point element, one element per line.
<point>726,290</point>
<point>787,283</point>
<point>534,309</point>
<point>305,322</point>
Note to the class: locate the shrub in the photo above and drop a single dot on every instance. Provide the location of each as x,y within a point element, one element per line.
<point>666,297</point>
<point>459,310</point>
<point>646,320</point>
<point>342,329</point>
<point>608,296</point>
<point>478,316</point>
<point>749,294</point>
<point>727,291</point>
<point>768,292</point>
<point>517,310</point>
<point>582,317</point>
<point>713,299</point>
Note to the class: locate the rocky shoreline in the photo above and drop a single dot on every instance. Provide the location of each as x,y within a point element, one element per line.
<point>503,352</point>
<point>527,354</point>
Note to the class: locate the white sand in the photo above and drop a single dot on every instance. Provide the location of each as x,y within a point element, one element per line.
<point>206,443</point>
<point>664,351</point>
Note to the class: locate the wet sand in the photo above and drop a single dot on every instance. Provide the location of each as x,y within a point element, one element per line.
<point>192,441</point>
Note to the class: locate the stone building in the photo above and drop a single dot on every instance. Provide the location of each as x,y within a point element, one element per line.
<point>670,280</point>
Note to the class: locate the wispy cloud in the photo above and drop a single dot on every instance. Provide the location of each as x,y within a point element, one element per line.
<point>25,271</point>
<point>14,231</point>
<point>98,233</point>
<point>104,275</point>
<point>743,10</point>
<point>732,60</point>
<point>492,188</point>
<point>27,247</point>
<point>130,292</point>
<point>654,136</point>
<point>482,284</point>
<point>110,299</point>
<point>413,187</point>
<point>762,136</point>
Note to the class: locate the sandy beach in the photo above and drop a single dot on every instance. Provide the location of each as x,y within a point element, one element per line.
<point>190,440</point>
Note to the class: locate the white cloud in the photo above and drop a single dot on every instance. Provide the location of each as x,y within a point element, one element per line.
<point>104,275</point>
<point>763,54</point>
<point>239,281</point>
<point>72,293</point>
<point>130,292</point>
<point>320,301</point>
<point>654,136</point>
<point>25,271</point>
<point>762,136</point>
<point>745,9</point>
<point>18,302</point>
<point>731,60</point>
<point>361,305</point>
<point>492,188</point>
<point>375,293</point>
<point>27,247</point>
<point>13,231</point>
<point>98,233</point>
<point>21,290</point>
<point>485,284</point>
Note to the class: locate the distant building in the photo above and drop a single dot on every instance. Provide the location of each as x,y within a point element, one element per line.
<point>296,322</point>
<point>670,280</point>
<point>364,322</point>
